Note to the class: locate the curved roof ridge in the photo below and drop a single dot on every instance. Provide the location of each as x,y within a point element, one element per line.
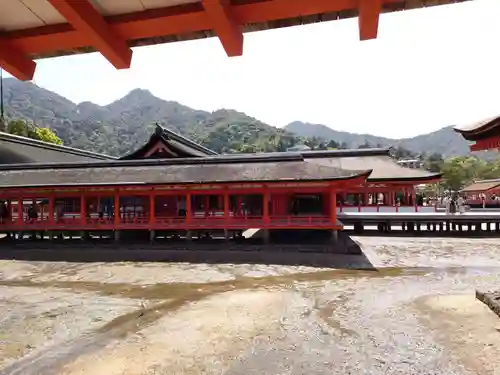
<point>186,141</point>
<point>346,152</point>
<point>478,126</point>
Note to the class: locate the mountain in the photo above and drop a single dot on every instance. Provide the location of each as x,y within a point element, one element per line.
<point>123,125</point>
<point>444,141</point>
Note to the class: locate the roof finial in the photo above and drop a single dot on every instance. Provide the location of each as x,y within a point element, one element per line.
<point>159,129</point>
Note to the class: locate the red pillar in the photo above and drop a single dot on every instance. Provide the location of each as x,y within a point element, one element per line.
<point>265,208</point>
<point>83,210</point>
<point>152,207</point>
<point>333,206</point>
<point>51,210</point>
<point>414,199</point>
<point>226,205</point>
<point>206,202</point>
<point>20,211</point>
<point>117,208</point>
<point>189,211</point>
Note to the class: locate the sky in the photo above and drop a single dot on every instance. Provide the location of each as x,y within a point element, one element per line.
<point>428,69</point>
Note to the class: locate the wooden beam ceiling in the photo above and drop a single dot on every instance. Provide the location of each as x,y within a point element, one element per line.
<point>86,20</point>
<point>229,32</point>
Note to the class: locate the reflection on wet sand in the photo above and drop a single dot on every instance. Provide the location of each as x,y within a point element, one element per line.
<point>416,313</point>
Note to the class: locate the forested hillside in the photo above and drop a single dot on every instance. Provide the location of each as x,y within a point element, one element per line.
<point>122,125</point>
<point>444,141</point>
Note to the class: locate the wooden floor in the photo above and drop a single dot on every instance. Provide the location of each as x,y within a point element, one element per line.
<point>470,216</point>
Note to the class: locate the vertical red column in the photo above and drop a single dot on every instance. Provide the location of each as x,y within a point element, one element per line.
<point>226,205</point>
<point>265,206</point>
<point>206,202</point>
<point>51,210</point>
<point>189,210</point>
<point>117,208</point>
<point>414,199</point>
<point>83,210</point>
<point>333,206</point>
<point>152,207</point>
<point>20,211</point>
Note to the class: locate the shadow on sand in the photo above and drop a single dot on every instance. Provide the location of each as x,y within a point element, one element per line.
<point>344,254</point>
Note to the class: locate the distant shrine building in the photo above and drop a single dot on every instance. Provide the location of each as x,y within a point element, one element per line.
<point>174,187</point>
<point>485,135</point>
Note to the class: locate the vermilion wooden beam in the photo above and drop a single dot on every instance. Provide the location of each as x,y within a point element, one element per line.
<point>368,16</point>
<point>172,21</point>
<point>87,21</point>
<point>486,144</point>
<point>15,62</point>
<point>229,32</point>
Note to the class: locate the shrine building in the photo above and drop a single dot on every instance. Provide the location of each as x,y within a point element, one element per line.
<point>174,187</point>
<point>485,134</point>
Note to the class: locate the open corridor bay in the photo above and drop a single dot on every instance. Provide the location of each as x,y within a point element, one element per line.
<point>415,314</point>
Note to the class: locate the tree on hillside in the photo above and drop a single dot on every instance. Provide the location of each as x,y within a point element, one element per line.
<point>365,145</point>
<point>461,171</point>
<point>332,145</point>
<point>399,152</point>
<point>433,162</point>
<point>24,129</point>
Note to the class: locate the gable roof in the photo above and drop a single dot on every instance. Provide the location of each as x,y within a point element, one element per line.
<point>17,149</point>
<point>173,144</point>
<point>383,167</point>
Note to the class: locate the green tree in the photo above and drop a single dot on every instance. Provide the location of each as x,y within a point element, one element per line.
<point>46,135</point>
<point>332,145</point>
<point>462,170</point>
<point>365,145</point>
<point>24,129</point>
<point>433,162</point>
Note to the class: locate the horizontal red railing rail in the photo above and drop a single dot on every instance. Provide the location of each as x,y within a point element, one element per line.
<point>74,222</point>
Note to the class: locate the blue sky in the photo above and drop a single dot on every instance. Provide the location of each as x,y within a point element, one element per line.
<point>429,68</point>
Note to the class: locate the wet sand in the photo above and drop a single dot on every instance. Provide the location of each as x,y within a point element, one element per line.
<point>416,315</point>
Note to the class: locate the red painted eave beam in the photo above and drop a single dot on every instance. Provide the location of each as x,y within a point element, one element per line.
<point>229,32</point>
<point>15,62</point>
<point>486,144</point>
<point>368,16</point>
<point>164,22</point>
<point>87,21</point>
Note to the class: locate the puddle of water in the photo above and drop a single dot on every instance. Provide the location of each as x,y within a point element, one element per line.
<point>177,295</point>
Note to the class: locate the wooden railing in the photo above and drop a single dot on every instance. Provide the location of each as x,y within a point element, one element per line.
<point>387,209</point>
<point>74,222</point>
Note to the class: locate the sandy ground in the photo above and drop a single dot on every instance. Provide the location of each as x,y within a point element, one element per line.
<point>416,315</point>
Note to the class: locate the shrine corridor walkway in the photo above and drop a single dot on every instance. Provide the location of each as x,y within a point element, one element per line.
<point>416,315</point>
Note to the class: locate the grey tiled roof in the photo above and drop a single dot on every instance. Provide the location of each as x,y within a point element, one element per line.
<point>378,160</point>
<point>17,149</point>
<point>177,173</point>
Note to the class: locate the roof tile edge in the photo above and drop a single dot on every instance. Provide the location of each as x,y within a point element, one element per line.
<point>186,141</point>
<point>52,146</point>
